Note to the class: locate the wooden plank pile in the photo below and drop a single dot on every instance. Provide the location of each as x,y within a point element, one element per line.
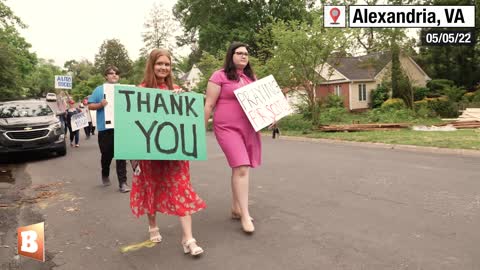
<point>470,118</point>
<point>363,127</point>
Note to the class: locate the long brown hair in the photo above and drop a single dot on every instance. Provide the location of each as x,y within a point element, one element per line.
<point>229,67</point>
<point>149,78</point>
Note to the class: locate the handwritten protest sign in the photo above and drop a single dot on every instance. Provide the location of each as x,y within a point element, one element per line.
<point>154,124</point>
<point>108,94</point>
<point>94,118</point>
<point>79,120</point>
<point>263,102</point>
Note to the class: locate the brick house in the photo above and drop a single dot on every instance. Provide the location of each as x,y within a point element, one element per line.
<point>353,78</point>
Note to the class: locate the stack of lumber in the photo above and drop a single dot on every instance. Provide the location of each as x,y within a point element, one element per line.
<point>363,127</point>
<point>470,118</point>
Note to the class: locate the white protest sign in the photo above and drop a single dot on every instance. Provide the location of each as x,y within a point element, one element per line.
<point>63,82</point>
<point>263,102</point>
<point>79,121</point>
<point>108,94</point>
<point>94,118</point>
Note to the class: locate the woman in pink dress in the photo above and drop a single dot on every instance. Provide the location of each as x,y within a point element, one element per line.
<point>234,133</point>
<point>164,185</point>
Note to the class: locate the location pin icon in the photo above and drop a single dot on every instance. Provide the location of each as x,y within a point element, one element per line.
<point>335,13</point>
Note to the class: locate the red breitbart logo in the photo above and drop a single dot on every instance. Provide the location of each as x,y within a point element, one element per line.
<point>31,241</point>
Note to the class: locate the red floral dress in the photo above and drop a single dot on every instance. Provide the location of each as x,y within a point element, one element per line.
<point>164,186</point>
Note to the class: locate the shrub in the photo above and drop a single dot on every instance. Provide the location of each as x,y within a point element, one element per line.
<point>468,97</point>
<point>476,96</point>
<point>436,86</point>
<point>420,93</point>
<point>295,122</point>
<point>333,101</point>
<point>393,104</point>
<point>379,95</point>
<point>454,93</point>
<point>423,110</point>
<point>442,106</point>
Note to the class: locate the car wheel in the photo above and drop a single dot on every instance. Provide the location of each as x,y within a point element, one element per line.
<point>63,151</point>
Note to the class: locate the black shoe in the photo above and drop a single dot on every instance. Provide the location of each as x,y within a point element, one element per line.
<point>124,188</point>
<point>106,181</point>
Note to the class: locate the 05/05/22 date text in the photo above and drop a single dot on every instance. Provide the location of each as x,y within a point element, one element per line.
<point>448,38</point>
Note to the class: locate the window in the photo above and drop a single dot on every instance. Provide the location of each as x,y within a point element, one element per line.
<point>338,90</point>
<point>362,92</point>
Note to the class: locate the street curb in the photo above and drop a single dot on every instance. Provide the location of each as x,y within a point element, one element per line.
<point>411,148</point>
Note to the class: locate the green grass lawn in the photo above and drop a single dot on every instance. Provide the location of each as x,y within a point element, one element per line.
<point>460,139</point>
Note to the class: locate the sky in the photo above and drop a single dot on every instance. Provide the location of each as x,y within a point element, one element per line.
<point>75,29</point>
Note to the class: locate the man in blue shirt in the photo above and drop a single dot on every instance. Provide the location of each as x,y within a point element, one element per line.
<point>105,135</point>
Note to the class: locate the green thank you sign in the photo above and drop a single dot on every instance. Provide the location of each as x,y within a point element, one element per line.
<point>155,124</point>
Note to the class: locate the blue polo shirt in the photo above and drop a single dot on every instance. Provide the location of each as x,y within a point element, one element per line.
<point>97,97</point>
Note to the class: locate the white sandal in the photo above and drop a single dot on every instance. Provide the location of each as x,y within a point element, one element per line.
<point>155,235</point>
<point>195,251</point>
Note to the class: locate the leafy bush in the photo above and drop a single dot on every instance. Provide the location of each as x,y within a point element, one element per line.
<point>307,111</point>
<point>393,103</point>
<point>454,93</point>
<point>333,101</point>
<point>476,96</point>
<point>436,86</point>
<point>295,122</point>
<point>420,93</point>
<point>423,110</point>
<point>379,95</point>
<point>442,106</point>
<point>468,97</point>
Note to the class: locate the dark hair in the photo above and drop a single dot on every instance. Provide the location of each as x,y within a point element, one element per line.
<point>149,78</point>
<point>229,67</point>
<point>111,68</point>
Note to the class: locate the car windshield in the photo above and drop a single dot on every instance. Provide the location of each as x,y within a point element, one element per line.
<point>13,110</point>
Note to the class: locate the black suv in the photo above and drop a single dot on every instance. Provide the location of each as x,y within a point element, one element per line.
<point>30,125</point>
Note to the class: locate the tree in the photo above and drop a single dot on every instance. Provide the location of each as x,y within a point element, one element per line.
<point>159,32</point>
<point>41,81</point>
<point>16,61</point>
<point>81,71</point>
<point>460,64</point>
<point>112,52</point>
<point>223,21</point>
<point>7,18</point>
<point>301,51</point>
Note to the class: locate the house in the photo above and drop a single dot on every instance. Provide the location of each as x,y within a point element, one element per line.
<point>192,77</point>
<point>354,78</point>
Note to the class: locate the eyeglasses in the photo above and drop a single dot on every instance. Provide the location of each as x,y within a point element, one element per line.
<point>242,53</point>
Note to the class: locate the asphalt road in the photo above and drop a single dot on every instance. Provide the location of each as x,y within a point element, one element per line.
<point>316,206</point>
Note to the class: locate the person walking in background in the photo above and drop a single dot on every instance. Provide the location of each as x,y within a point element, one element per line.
<point>69,113</point>
<point>87,129</point>
<point>239,141</point>
<point>164,185</point>
<point>97,102</point>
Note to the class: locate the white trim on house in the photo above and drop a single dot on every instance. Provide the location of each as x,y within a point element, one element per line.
<point>335,82</point>
<point>381,71</point>
<point>427,78</point>
<point>326,70</point>
<point>350,96</point>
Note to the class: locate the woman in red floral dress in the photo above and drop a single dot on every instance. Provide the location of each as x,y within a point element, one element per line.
<point>164,185</point>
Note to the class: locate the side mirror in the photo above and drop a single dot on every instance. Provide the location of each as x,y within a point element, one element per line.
<point>60,113</point>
